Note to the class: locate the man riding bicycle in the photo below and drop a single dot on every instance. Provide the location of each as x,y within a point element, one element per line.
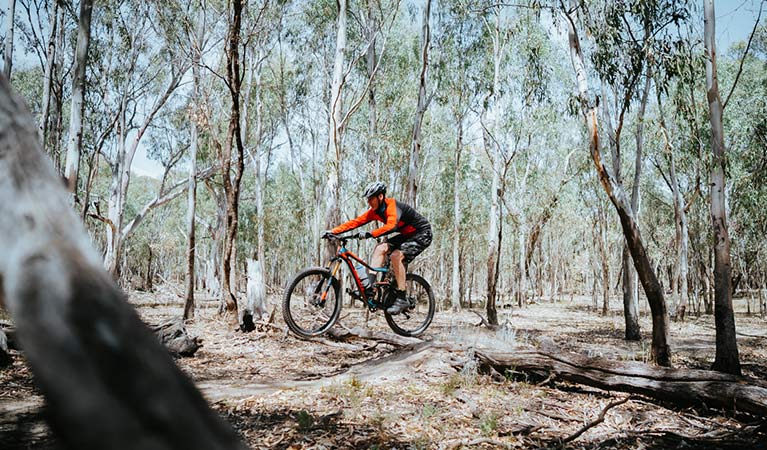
<point>413,238</point>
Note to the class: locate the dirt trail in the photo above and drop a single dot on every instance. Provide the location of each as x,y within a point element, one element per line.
<point>282,392</point>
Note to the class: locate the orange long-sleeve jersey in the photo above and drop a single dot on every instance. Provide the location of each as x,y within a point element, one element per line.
<point>396,216</point>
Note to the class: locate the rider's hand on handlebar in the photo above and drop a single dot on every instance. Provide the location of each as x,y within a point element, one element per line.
<point>363,235</point>
<point>327,235</point>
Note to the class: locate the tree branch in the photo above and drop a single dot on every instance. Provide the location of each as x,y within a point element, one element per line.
<point>598,420</point>
<point>745,53</point>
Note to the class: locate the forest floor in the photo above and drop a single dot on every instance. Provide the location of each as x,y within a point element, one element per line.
<point>280,392</point>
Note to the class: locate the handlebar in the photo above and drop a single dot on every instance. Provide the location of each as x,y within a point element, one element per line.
<point>342,239</point>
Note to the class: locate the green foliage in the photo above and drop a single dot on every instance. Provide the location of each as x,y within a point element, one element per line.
<point>530,115</point>
<point>305,421</point>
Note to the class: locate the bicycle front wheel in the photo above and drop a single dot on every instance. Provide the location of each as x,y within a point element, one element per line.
<point>312,303</point>
<point>416,319</point>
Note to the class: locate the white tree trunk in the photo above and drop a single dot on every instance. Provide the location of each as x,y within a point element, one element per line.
<point>415,151</point>
<point>8,57</point>
<point>50,64</point>
<point>78,97</point>
<point>727,359</point>
<point>256,291</point>
<point>455,293</point>
<point>333,149</point>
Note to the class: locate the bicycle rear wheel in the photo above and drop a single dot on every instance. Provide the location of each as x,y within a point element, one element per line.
<point>416,319</point>
<point>312,303</point>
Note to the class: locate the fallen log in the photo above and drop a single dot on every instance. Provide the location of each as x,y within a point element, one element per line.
<point>176,339</point>
<point>107,381</point>
<point>684,387</point>
<point>5,355</point>
<point>377,336</point>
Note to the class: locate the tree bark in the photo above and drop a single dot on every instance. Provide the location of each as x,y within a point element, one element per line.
<point>727,359</point>
<point>121,176</point>
<point>231,180</point>
<point>191,199</point>
<point>495,219</point>
<point>684,387</point>
<point>630,293</point>
<point>333,149</point>
<point>107,381</point>
<point>455,291</point>
<point>372,61</point>
<point>660,349</point>
<point>8,56</point>
<point>423,103</point>
<point>50,65</point>
<point>74,149</point>
<point>494,235</point>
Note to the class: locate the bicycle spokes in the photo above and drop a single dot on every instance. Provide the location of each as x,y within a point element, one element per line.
<point>416,318</point>
<point>311,304</point>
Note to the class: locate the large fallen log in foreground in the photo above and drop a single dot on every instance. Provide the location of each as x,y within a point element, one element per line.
<point>683,387</point>
<point>107,380</point>
<point>686,387</point>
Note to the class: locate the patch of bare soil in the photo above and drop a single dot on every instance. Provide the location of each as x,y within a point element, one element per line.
<point>281,392</point>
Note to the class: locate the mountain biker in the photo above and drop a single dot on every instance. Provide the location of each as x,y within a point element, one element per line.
<point>413,238</point>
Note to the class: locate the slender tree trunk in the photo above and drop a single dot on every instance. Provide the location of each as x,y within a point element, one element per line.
<point>50,64</point>
<point>54,142</point>
<point>372,61</point>
<point>232,180</point>
<point>333,150</point>
<point>260,178</point>
<point>493,235</point>
<point>191,199</point>
<point>493,228</point>
<point>660,349</point>
<point>8,57</point>
<point>78,97</point>
<point>630,293</point>
<point>604,258</point>
<point>455,299</point>
<point>415,152</point>
<point>727,359</point>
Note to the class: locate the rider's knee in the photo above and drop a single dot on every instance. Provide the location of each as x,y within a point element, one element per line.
<point>381,248</point>
<point>397,256</point>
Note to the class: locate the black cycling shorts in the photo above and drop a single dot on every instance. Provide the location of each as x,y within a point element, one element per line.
<point>411,246</point>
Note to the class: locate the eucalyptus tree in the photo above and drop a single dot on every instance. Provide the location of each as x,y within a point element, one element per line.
<point>339,115</point>
<point>41,27</point>
<point>74,148</point>
<point>9,29</point>
<point>335,130</point>
<point>630,45</point>
<point>195,32</point>
<point>50,71</point>
<point>232,151</point>
<point>136,89</point>
<point>421,106</point>
<point>660,350</point>
<point>727,359</point>
<point>461,82</point>
<point>746,132</point>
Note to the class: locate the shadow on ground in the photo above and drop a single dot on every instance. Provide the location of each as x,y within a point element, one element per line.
<point>283,429</point>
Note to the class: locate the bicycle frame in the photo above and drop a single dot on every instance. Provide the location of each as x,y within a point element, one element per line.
<point>345,255</point>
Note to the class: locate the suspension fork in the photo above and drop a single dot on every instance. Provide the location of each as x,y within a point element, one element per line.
<point>333,273</point>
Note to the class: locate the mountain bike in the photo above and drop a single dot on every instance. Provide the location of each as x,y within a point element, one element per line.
<point>312,301</point>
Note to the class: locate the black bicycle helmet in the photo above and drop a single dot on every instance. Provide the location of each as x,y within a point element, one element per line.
<point>374,188</point>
